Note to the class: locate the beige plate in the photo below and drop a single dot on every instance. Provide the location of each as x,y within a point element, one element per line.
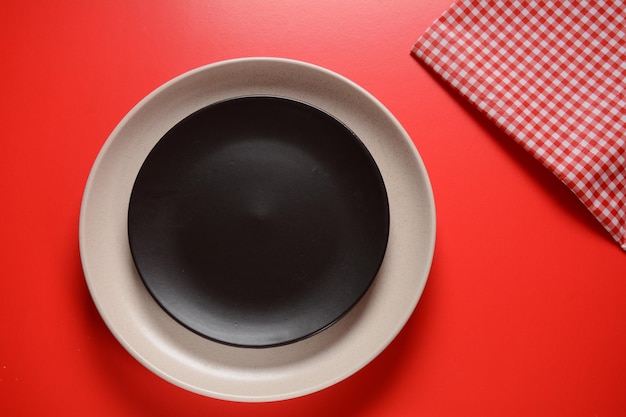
<point>241,374</point>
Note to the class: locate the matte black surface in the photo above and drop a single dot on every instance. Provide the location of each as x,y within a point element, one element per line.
<point>258,221</point>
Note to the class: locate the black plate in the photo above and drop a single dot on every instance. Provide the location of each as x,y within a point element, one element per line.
<point>258,221</point>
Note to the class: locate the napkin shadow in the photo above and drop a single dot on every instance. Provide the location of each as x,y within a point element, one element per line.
<point>553,187</point>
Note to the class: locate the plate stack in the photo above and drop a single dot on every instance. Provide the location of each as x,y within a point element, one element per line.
<point>257,229</point>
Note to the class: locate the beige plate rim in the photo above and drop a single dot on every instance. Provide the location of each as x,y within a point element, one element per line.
<point>239,374</point>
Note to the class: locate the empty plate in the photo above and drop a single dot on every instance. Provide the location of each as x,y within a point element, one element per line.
<point>258,221</point>
<point>203,365</point>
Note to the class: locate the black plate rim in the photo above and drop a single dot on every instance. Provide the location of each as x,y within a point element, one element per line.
<point>357,140</point>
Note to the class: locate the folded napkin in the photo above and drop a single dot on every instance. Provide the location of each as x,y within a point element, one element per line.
<point>552,75</point>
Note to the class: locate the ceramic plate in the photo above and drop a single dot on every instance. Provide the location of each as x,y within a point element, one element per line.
<point>215,369</point>
<point>258,221</point>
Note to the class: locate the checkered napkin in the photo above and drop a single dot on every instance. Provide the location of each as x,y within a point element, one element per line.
<point>553,76</point>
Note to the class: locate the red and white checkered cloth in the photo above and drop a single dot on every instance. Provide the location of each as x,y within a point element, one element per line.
<point>553,76</point>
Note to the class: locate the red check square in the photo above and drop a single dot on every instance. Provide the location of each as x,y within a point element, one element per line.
<point>553,76</point>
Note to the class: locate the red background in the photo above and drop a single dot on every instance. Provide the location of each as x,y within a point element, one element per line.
<point>525,309</point>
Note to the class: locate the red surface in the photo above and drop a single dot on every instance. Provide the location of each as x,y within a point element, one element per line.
<point>525,309</point>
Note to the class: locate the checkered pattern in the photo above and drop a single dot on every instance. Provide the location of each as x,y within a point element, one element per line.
<point>552,75</point>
